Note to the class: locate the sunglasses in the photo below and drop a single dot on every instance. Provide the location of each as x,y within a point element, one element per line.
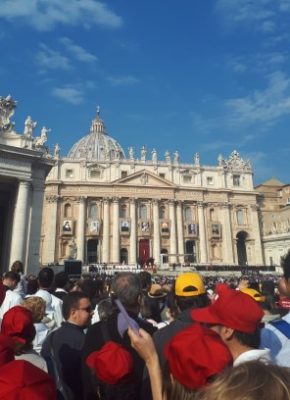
<point>87,309</point>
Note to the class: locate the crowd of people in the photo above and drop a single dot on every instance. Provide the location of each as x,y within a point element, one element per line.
<point>176,339</point>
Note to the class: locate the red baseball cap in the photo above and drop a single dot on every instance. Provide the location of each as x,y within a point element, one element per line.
<point>195,355</point>
<point>19,379</point>
<point>112,363</point>
<point>232,309</point>
<point>18,324</point>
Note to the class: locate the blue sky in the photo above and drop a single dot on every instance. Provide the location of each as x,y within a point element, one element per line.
<point>193,75</point>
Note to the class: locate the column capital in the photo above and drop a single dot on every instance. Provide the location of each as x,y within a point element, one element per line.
<point>133,200</point>
<point>200,204</point>
<point>25,182</point>
<point>155,201</point>
<point>115,200</point>
<point>81,199</point>
<point>52,198</point>
<point>172,202</point>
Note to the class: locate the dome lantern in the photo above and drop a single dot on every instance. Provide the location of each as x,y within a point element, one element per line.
<point>97,145</point>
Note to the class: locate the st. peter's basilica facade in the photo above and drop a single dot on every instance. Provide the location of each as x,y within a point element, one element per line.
<point>103,206</point>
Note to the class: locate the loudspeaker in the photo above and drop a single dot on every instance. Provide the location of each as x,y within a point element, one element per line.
<point>73,268</point>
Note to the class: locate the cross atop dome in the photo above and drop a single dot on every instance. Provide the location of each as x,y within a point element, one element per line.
<point>98,124</point>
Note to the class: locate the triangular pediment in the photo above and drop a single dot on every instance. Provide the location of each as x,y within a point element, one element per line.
<point>144,178</point>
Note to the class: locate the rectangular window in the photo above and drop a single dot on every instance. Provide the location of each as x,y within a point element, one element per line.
<point>187,178</point>
<point>236,180</point>
<point>95,174</point>
<point>162,175</point>
<point>124,174</point>
<point>69,173</point>
<point>209,180</point>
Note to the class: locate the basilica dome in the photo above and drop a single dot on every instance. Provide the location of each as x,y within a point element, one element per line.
<point>97,145</point>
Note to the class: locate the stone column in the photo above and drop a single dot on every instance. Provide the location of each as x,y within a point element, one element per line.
<point>81,222</point>
<point>33,257</point>
<point>133,233</point>
<point>256,236</point>
<point>202,233</point>
<point>49,236</point>
<point>106,231</point>
<point>156,233</point>
<point>180,238</point>
<point>228,251</point>
<point>173,247</point>
<point>20,222</point>
<point>116,233</point>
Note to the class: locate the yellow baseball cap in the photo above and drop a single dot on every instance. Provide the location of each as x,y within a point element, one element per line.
<point>254,294</point>
<point>189,284</point>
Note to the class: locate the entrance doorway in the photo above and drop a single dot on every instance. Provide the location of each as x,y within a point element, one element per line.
<point>241,248</point>
<point>92,251</point>
<point>190,250</point>
<point>144,251</point>
<point>165,257</point>
<point>124,256</point>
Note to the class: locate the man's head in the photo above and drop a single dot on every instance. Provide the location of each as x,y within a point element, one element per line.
<point>45,278</point>
<point>127,287</point>
<point>11,279</point>
<point>234,315</point>
<point>146,280</point>
<point>77,309</point>
<point>190,291</point>
<point>61,280</point>
<point>284,283</point>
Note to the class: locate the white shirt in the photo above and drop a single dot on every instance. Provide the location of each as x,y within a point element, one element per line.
<point>262,355</point>
<point>53,306</point>
<point>34,358</point>
<point>12,299</point>
<point>277,342</point>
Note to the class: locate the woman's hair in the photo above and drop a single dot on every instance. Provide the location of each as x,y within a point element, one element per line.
<point>250,381</point>
<point>17,266</point>
<point>37,307</point>
<point>173,390</point>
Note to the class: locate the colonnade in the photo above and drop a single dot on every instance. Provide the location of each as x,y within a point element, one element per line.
<point>111,237</point>
<point>111,231</point>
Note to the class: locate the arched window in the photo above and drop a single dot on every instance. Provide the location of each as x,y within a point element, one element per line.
<point>143,211</point>
<point>123,211</point>
<point>67,211</point>
<point>212,214</point>
<point>240,217</point>
<point>93,210</point>
<point>188,214</point>
<point>162,212</point>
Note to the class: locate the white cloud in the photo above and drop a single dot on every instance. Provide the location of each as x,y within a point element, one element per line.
<point>122,80</point>
<point>44,15</point>
<point>69,93</point>
<point>258,14</point>
<point>47,58</point>
<point>262,106</point>
<point>77,51</point>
